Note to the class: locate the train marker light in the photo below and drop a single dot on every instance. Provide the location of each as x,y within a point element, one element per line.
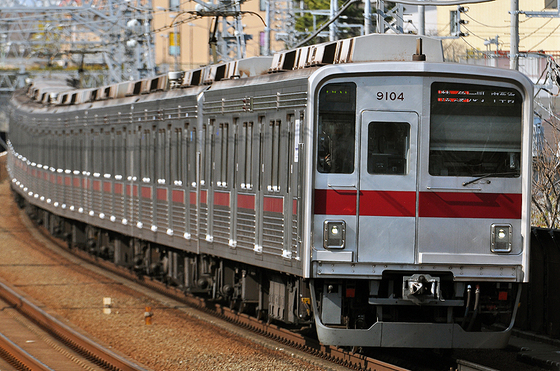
<point>334,234</point>
<point>501,237</point>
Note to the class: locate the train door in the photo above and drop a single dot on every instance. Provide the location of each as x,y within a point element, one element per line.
<point>387,187</point>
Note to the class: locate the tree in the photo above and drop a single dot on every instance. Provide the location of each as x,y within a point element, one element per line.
<point>545,196</point>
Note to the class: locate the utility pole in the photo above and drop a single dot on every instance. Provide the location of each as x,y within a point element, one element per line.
<point>422,25</point>
<point>367,17</point>
<point>514,49</point>
<point>333,29</point>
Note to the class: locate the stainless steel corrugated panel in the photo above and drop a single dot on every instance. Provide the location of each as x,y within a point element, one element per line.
<point>192,221</point>
<point>203,224</point>
<point>294,241</point>
<point>162,214</point>
<point>135,210</point>
<point>246,230</point>
<point>178,218</point>
<point>222,223</point>
<point>147,212</point>
<point>273,233</point>
<point>96,199</point>
<point>118,207</point>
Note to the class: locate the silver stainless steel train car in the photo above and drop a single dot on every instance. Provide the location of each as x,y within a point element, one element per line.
<point>363,187</point>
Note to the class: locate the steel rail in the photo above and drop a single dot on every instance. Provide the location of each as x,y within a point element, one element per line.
<point>68,336</point>
<point>18,357</point>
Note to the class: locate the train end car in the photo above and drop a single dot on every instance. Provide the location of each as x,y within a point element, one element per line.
<point>420,185</point>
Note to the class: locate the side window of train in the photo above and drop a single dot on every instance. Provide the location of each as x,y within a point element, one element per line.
<point>135,154</point>
<point>119,155</point>
<point>98,154</point>
<point>203,155</point>
<point>65,155</point>
<point>108,152</point>
<point>177,157</point>
<point>388,147</point>
<point>336,128</point>
<point>191,155</point>
<point>145,156</point>
<point>274,180</point>
<point>222,149</point>
<point>245,157</point>
<point>292,140</point>
<point>81,152</point>
<point>162,157</point>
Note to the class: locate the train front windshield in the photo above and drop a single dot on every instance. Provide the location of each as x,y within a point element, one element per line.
<point>475,130</point>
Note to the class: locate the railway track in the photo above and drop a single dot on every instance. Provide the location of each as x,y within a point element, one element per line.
<point>32,339</point>
<point>370,360</point>
<point>383,360</point>
<point>297,341</point>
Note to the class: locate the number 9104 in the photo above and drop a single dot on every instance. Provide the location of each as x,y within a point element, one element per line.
<point>390,95</point>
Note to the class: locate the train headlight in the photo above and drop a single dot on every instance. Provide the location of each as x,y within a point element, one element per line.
<point>334,234</point>
<point>501,238</point>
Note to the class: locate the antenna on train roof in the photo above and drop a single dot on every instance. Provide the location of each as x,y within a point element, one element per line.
<point>419,56</point>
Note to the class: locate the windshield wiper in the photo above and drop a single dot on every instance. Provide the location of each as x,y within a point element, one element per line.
<point>489,175</point>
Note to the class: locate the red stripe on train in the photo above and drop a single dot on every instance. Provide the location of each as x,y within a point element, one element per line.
<point>246,202</point>
<point>273,204</point>
<point>431,204</point>
<point>146,192</point>
<point>118,187</point>
<point>221,199</point>
<point>470,205</point>
<point>178,196</point>
<point>335,202</point>
<point>387,203</point>
<point>203,197</point>
<point>132,190</point>
<point>161,194</point>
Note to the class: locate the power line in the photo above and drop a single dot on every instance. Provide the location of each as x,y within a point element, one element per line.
<point>540,42</point>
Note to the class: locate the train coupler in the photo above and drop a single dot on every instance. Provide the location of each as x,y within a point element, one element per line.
<point>421,289</point>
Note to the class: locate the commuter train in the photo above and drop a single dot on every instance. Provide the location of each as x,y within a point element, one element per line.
<point>364,187</point>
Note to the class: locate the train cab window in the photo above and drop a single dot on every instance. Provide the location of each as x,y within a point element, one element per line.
<point>336,128</point>
<point>475,130</point>
<point>388,147</point>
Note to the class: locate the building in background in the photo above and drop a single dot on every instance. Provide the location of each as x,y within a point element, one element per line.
<point>489,28</point>
<point>183,30</point>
